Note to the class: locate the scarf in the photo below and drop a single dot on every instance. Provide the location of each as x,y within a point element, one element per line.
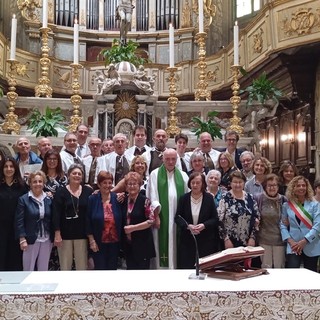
<point>301,213</point>
<point>164,214</point>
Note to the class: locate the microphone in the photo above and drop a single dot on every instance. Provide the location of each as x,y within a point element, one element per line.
<point>197,275</point>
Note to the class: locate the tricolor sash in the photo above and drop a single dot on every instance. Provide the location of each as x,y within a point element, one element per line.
<point>301,213</point>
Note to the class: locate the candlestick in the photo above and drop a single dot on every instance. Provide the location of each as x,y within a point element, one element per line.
<point>13,38</point>
<point>76,42</point>
<point>200,6</point>
<point>171,45</point>
<point>44,13</point>
<point>236,43</point>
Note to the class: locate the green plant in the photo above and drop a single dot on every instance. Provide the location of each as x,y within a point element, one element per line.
<point>209,126</point>
<point>45,124</point>
<point>262,89</point>
<point>123,52</point>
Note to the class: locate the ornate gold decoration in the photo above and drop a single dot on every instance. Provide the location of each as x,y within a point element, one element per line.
<point>43,88</point>
<point>258,41</point>
<point>235,101</point>
<point>209,11</point>
<point>212,74</point>
<point>10,123</point>
<point>75,99</point>
<point>186,15</point>
<point>22,69</point>
<point>28,7</point>
<point>172,130</point>
<point>302,22</point>
<point>125,106</point>
<point>202,93</point>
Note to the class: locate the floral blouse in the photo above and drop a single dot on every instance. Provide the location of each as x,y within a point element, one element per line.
<point>238,219</point>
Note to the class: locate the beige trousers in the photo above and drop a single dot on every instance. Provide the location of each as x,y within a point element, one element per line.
<point>73,249</point>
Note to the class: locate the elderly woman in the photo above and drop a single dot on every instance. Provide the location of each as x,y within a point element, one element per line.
<point>270,204</point>
<point>238,214</point>
<point>226,167</point>
<point>286,173</point>
<point>300,225</point>
<point>104,224</point>
<point>12,187</point>
<point>69,220</point>
<point>213,179</point>
<point>261,167</point>
<point>139,246</point>
<point>33,224</point>
<point>199,216</point>
<point>197,163</point>
<point>139,165</point>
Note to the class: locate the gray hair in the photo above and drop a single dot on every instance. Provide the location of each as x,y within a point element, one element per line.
<point>246,153</point>
<point>211,172</point>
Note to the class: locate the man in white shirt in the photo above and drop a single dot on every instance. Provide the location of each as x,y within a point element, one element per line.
<point>44,144</point>
<point>116,162</point>
<point>82,134</point>
<point>166,185</point>
<point>90,161</point>
<point>181,141</point>
<point>139,147</point>
<point>68,154</point>
<point>210,155</point>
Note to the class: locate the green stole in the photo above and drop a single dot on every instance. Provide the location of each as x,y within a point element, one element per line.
<point>163,191</point>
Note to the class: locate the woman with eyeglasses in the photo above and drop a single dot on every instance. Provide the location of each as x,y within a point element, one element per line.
<point>12,187</point>
<point>270,204</point>
<point>226,167</point>
<point>52,167</point>
<point>69,220</point>
<point>139,218</point>
<point>238,214</point>
<point>286,173</point>
<point>33,224</point>
<point>104,224</point>
<point>300,225</point>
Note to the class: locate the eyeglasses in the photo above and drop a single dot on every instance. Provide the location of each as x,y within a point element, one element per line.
<point>272,186</point>
<point>231,140</point>
<point>132,184</point>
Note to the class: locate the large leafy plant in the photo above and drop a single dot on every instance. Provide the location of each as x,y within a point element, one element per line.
<point>46,124</point>
<point>209,126</point>
<point>261,90</point>
<point>123,52</point>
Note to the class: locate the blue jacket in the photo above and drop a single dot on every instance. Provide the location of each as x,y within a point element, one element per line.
<point>95,216</point>
<point>33,158</point>
<point>27,218</point>
<point>298,231</point>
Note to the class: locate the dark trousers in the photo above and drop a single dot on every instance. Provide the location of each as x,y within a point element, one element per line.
<point>107,256</point>
<point>294,261</point>
<point>134,263</point>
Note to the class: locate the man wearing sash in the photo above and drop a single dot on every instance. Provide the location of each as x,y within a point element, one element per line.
<point>300,225</point>
<point>166,185</point>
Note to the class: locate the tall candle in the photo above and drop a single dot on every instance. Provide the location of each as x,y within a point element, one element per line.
<point>76,42</point>
<point>13,37</point>
<point>44,13</point>
<point>236,43</point>
<point>200,6</point>
<point>171,46</point>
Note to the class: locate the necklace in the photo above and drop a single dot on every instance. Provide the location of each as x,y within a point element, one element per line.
<point>75,205</point>
<point>196,200</point>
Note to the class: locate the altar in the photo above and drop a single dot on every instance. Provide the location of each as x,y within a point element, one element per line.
<point>158,294</point>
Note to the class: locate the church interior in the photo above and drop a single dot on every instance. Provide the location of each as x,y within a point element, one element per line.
<point>51,55</point>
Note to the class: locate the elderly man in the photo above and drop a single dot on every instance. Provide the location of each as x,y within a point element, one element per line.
<point>68,154</point>
<point>116,162</point>
<point>25,157</point>
<point>246,159</point>
<point>44,144</point>
<point>139,147</point>
<point>166,185</point>
<point>90,161</point>
<point>154,156</point>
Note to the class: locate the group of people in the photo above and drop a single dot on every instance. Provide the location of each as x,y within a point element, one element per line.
<point>94,203</point>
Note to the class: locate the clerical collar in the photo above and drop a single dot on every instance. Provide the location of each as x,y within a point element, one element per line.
<point>72,153</point>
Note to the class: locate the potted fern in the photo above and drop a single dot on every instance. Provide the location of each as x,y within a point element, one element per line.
<point>123,52</point>
<point>46,124</point>
<point>261,90</point>
<point>209,126</point>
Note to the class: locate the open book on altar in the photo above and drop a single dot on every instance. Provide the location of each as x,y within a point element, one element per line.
<point>229,263</point>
